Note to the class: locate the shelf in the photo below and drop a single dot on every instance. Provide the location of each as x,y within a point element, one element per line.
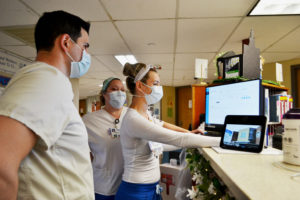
<point>273,123</point>
<point>275,87</point>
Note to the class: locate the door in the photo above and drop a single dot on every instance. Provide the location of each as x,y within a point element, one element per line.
<point>297,103</point>
<point>295,75</point>
<point>184,106</point>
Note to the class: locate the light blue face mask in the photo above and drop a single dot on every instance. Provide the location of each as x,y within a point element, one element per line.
<point>78,69</point>
<point>155,95</point>
<point>117,99</point>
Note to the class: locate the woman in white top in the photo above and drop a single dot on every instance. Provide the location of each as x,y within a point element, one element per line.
<point>140,134</point>
<point>104,141</point>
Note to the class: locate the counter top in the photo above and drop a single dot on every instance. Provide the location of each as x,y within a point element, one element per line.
<point>255,176</point>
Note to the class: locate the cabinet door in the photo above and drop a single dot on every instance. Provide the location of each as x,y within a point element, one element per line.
<point>184,111</point>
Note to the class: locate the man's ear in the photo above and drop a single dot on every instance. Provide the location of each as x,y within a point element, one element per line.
<point>64,41</point>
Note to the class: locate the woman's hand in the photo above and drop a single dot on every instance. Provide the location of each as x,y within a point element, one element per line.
<point>197,131</point>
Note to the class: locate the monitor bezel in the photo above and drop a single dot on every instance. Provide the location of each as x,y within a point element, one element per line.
<point>220,127</point>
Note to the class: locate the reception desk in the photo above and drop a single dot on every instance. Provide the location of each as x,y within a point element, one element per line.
<point>255,176</point>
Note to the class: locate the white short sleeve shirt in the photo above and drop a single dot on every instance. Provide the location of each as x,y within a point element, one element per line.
<point>58,167</point>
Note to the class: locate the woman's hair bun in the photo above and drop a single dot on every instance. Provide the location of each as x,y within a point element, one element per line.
<point>128,69</point>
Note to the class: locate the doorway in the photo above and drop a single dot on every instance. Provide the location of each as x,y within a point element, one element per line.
<point>295,75</point>
<point>184,111</point>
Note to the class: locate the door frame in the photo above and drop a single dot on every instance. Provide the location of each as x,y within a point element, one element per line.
<point>294,89</point>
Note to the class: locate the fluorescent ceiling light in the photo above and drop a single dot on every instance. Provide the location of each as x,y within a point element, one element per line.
<point>276,7</point>
<point>126,58</point>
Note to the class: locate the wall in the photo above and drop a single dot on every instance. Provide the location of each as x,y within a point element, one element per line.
<point>269,72</point>
<point>168,105</point>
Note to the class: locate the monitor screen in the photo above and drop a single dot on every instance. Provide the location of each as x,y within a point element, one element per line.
<point>242,98</point>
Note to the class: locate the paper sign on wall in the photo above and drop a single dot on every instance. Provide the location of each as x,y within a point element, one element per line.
<point>201,68</point>
<point>190,104</point>
<point>279,77</point>
<point>10,63</point>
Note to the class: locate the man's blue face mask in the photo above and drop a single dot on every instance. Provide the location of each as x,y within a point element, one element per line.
<point>78,69</point>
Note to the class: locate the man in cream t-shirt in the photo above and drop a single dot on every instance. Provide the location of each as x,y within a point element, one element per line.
<point>43,142</point>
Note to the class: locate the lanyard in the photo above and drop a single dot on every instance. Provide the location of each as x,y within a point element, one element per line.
<point>114,132</point>
<point>116,122</point>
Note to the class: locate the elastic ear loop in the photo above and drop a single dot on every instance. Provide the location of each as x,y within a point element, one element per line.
<point>133,95</point>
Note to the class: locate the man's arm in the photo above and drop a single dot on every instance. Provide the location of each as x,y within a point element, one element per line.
<point>16,141</point>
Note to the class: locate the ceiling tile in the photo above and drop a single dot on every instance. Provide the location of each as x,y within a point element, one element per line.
<point>24,51</point>
<point>164,60</point>
<point>203,35</point>
<point>289,43</point>
<point>155,58</point>
<point>13,13</point>
<point>137,9</point>
<point>267,30</point>
<point>216,8</point>
<point>105,39</point>
<point>187,61</point>
<point>277,57</point>
<point>90,10</point>
<point>97,73</point>
<point>182,74</point>
<point>84,81</point>
<point>97,66</point>
<point>7,40</point>
<point>150,36</point>
<point>112,64</point>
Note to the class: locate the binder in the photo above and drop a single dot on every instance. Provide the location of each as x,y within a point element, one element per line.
<point>267,104</point>
<point>275,108</point>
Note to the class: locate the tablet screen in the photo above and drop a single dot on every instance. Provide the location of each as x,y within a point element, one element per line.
<point>244,133</point>
<point>243,136</point>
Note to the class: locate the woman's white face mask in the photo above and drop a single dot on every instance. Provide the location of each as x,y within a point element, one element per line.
<point>156,94</point>
<point>117,99</point>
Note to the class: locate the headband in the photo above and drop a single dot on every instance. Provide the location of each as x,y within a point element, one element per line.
<point>142,73</point>
<point>106,83</point>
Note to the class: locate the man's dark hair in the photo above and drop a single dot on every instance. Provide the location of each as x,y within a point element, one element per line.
<point>53,24</point>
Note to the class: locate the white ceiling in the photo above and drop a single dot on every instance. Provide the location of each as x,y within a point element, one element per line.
<point>171,33</point>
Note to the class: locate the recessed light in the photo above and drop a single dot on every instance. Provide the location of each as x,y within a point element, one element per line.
<point>126,59</point>
<point>276,7</point>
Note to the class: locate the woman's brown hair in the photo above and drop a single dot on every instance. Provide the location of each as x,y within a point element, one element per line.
<point>131,70</point>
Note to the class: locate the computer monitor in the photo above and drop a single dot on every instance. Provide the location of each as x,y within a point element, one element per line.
<point>242,98</point>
